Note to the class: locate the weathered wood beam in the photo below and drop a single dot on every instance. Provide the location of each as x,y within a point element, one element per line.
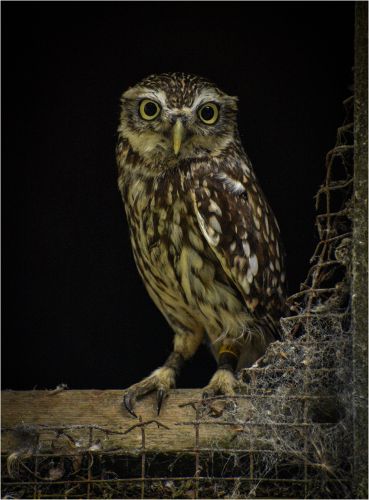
<point>86,414</point>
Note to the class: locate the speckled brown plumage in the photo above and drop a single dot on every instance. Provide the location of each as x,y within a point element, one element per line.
<point>204,238</point>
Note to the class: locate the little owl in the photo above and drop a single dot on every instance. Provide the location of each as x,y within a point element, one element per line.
<point>204,238</point>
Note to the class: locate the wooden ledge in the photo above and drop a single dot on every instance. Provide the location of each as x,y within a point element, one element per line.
<point>72,421</point>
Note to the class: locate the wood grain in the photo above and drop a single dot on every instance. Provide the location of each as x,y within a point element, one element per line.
<point>96,411</point>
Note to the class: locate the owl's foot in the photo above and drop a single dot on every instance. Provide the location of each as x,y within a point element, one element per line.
<point>223,383</point>
<point>160,380</point>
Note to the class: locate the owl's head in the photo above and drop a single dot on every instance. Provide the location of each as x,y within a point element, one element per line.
<point>176,116</point>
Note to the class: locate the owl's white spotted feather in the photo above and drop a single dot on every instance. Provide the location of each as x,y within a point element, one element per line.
<point>242,231</point>
<point>204,239</point>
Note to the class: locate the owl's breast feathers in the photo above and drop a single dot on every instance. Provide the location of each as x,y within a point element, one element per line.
<point>212,217</point>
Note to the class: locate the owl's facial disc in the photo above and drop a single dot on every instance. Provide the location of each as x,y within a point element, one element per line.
<point>165,127</point>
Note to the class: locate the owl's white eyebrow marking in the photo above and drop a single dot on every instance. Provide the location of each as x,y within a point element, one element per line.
<point>205,96</point>
<point>155,96</point>
<point>146,93</point>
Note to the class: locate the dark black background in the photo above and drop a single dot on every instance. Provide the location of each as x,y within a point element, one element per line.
<point>74,308</point>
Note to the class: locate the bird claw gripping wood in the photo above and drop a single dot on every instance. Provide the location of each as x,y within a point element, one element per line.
<point>128,403</point>
<point>161,380</point>
<point>159,400</point>
<point>129,400</point>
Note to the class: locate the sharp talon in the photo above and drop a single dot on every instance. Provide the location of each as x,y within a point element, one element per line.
<point>127,400</point>
<point>159,398</point>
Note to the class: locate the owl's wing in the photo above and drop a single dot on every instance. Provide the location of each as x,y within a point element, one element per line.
<point>239,226</point>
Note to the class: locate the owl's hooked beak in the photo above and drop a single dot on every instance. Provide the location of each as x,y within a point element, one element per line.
<point>178,134</point>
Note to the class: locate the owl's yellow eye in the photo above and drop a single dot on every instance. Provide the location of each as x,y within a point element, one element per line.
<point>209,113</point>
<point>149,110</point>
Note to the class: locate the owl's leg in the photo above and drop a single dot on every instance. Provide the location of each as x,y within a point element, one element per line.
<point>163,378</point>
<point>224,381</point>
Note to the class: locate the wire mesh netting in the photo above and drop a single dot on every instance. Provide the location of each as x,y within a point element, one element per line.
<point>290,438</point>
